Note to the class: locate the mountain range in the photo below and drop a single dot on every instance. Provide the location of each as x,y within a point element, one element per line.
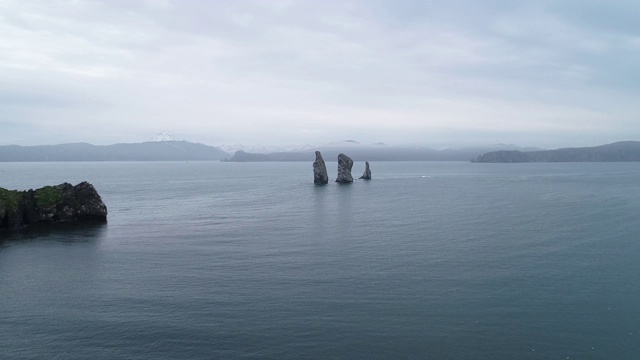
<point>166,148</point>
<point>147,151</point>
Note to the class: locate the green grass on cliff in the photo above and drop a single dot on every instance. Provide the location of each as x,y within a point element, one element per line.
<point>47,196</point>
<point>9,199</point>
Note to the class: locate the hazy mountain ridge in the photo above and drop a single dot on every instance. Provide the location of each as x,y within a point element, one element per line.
<point>172,150</point>
<point>618,151</point>
<point>270,149</point>
<point>373,152</point>
<point>263,149</point>
<point>146,151</point>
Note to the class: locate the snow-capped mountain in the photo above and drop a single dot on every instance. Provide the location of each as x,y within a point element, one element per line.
<point>163,136</point>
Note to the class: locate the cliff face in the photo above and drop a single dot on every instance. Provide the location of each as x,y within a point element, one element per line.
<point>50,204</point>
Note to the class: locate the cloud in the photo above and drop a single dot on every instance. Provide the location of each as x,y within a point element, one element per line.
<point>313,72</point>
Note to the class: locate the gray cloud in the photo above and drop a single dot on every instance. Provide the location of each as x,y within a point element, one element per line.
<point>550,73</point>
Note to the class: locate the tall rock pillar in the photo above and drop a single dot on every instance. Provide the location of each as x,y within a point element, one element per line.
<point>344,169</point>
<point>320,176</point>
<point>367,172</point>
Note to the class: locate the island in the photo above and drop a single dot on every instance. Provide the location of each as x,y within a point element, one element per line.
<point>50,204</point>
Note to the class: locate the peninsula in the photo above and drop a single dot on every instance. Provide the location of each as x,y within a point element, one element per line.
<point>619,151</point>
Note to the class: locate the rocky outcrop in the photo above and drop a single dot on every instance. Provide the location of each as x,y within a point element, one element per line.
<point>50,204</point>
<point>344,169</point>
<point>320,176</point>
<point>367,172</point>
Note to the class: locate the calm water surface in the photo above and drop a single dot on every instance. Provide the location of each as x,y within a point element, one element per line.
<point>435,260</point>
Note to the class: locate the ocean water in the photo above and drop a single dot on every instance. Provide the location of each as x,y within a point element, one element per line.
<point>430,260</point>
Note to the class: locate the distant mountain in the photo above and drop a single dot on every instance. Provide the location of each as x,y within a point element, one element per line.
<point>147,151</point>
<point>271,149</point>
<point>374,152</point>
<point>164,136</point>
<point>263,149</point>
<point>343,144</point>
<point>619,151</point>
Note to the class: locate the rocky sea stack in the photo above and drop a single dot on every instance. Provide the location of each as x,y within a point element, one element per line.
<point>50,204</point>
<point>367,172</point>
<point>320,176</point>
<point>344,169</point>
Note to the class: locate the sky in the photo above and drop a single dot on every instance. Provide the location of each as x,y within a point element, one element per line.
<point>546,73</point>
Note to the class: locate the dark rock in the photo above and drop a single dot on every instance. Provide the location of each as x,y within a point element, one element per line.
<point>367,172</point>
<point>11,208</point>
<point>50,204</point>
<point>320,176</point>
<point>344,169</point>
<point>85,199</point>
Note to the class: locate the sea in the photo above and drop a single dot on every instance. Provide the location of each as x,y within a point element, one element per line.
<point>429,260</point>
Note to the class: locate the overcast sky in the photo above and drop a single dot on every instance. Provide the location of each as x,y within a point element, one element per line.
<point>542,73</point>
